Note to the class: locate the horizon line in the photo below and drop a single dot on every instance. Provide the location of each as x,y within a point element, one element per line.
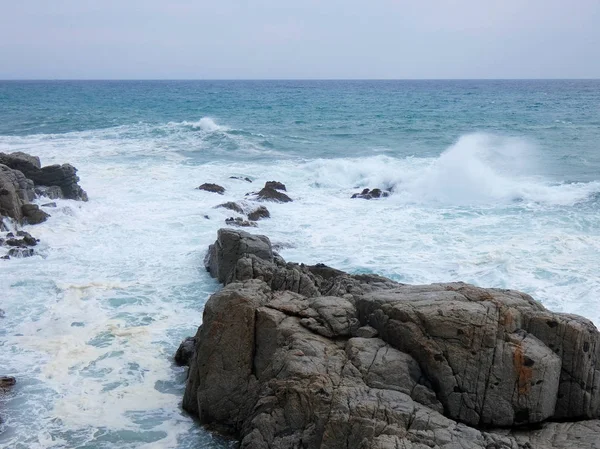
<point>296,79</point>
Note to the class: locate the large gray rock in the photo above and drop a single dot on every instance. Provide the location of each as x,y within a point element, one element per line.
<point>63,176</point>
<point>363,362</point>
<point>15,191</point>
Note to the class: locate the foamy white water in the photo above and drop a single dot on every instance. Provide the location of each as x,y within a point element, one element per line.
<point>92,322</point>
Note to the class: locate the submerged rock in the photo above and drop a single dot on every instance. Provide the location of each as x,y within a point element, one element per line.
<point>241,178</point>
<point>7,381</point>
<point>367,194</point>
<point>232,206</point>
<point>20,252</point>
<point>239,221</point>
<point>214,188</point>
<point>293,356</point>
<point>52,192</point>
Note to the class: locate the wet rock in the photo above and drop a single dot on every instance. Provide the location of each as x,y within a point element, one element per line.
<point>214,188</point>
<point>185,352</point>
<point>52,192</point>
<point>275,185</point>
<point>259,213</point>
<point>5,257</point>
<point>367,194</point>
<point>269,194</point>
<point>232,206</point>
<point>7,382</point>
<point>21,252</point>
<point>32,214</point>
<point>238,221</point>
<point>27,238</point>
<point>241,178</point>
<point>52,204</point>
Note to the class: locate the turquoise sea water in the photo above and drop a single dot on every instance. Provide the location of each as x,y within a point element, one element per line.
<point>494,182</point>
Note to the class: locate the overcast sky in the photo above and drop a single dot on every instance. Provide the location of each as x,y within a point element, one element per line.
<point>197,39</point>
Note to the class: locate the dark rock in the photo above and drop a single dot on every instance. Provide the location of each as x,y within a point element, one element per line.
<point>28,238</point>
<point>63,176</point>
<point>291,356</point>
<point>232,206</point>
<point>269,194</point>
<point>32,214</point>
<point>275,185</point>
<point>241,178</point>
<point>52,192</point>
<point>21,252</point>
<point>206,217</point>
<point>238,221</point>
<point>214,188</point>
<point>259,213</point>
<point>7,381</point>
<point>15,191</point>
<point>53,204</point>
<point>6,257</point>
<point>10,235</point>
<point>185,352</point>
<point>18,243</point>
<point>367,194</point>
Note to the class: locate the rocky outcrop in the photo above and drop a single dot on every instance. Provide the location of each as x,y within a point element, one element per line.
<point>232,206</point>
<point>293,356</point>
<point>214,188</point>
<point>270,194</point>
<point>185,352</point>
<point>62,176</point>
<point>15,192</point>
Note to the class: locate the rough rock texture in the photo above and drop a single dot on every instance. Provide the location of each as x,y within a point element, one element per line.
<point>52,192</point>
<point>259,213</point>
<point>63,176</point>
<point>14,192</point>
<point>291,356</point>
<point>214,188</point>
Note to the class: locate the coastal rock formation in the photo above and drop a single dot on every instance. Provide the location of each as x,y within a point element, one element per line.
<point>185,352</point>
<point>62,176</point>
<point>239,221</point>
<point>232,206</point>
<point>214,188</point>
<point>292,356</point>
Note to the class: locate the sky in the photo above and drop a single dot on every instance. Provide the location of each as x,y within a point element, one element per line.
<point>299,39</point>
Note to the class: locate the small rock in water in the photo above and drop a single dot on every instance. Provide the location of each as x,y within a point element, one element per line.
<point>367,194</point>
<point>260,212</point>
<point>7,257</point>
<point>7,381</point>
<point>207,217</point>
<point>241,178</point>
<point>185,352</point>
<point>28,238</point>
<point>269,194</point>
<point>52,204</point>
<point>33,214</point>
<point>275,185</point>
<point>21,252</point>
<point>214,188</point>
<point>238,221</point>
<point>232,206</point>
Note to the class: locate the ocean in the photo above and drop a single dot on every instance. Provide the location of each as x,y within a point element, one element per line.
<point>496,183</point>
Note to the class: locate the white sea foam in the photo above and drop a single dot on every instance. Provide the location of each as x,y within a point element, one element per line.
<point>92,321</point>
